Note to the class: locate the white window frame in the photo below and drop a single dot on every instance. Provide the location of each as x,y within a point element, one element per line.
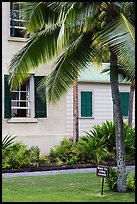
<point>29,100</point>
<point>16,20</point>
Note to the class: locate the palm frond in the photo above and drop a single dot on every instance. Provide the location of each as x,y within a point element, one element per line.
<point>81,16</point>
<point>39,49</point>
<point>38,15</point>
<point>120,36</point>
<point>8,140</point>
<point>73,60</point>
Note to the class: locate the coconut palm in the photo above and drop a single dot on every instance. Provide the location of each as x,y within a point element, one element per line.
<point>76,33</point>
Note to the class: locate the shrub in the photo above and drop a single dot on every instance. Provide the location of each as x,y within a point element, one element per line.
<point>98,144</point>
<point>34,154</point>
<point>19,155</point>
<point>72,160</point>
<point>111,181</point>
<point>91,149</point>
<point>106,131</point>
<point>43,159</point>
<point>104,135</point>
<point>129,141</point>
<point>63,152</point>
<point>130,183</point>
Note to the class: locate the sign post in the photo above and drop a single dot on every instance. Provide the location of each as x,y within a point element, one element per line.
<point>102,171</point>
<point>102,186</point>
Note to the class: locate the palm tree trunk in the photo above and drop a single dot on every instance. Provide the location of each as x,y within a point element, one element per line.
<point>131,96</point>
<point>120,141</point>
<point>75,112</point>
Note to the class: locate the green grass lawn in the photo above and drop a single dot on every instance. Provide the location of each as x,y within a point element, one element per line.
<point>70,187</point>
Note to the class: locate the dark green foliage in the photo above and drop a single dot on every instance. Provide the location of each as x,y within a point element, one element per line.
<point>129,141</point>
<point>106,130</point>
<point>34,154</point>
<point>130,182</point>
<point>105,135</point>
<point>92,149</point>
<point>98,145</point>
<point>43,159</point>
<point>111,181</point>
<point>64,152</point>
<point>19,155</point>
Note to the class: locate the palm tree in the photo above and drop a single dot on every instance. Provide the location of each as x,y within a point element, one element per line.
<point>73,31</point>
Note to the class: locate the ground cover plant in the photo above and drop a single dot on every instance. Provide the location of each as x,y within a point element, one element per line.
<point>71,187</point>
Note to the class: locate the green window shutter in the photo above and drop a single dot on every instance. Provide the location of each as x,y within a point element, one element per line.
<point>7,98</point>
<point>86,104</point>
<point>40,106</point>
<point>124,102</point>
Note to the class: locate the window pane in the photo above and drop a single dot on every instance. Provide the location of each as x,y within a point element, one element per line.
<point>13,112</point>
<point>14,104</point>
<point>19,104</point>
<point>19,112</point>
<point>23,95</point>
<point>23,104</point>
<point>15,96</point>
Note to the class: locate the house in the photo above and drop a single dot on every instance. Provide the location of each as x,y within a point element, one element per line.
<point>45,125</point>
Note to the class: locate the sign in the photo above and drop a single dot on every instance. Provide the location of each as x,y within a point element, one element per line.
<point>102,171</point>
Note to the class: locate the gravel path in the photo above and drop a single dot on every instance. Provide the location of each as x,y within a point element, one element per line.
<point>38,173</point>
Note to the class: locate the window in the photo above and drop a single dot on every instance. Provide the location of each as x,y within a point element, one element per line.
<point>24,102</point>
<point>17,25</point>
<point>124,102</point>
<point>20,101</point>
<point>86,104</point>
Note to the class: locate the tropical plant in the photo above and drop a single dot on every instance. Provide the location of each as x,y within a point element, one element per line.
<point>76,32</point>
<point>7,141</point>
<point>106,132</point>
<point>43,159</point>
<point>92,149</point>
<point>111,181</point>
<point>19,155</point>
<point>130,182</point>
<point>64,152</point>
<point>129,132</point>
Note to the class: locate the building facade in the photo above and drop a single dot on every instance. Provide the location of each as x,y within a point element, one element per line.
<point>43,124</point>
